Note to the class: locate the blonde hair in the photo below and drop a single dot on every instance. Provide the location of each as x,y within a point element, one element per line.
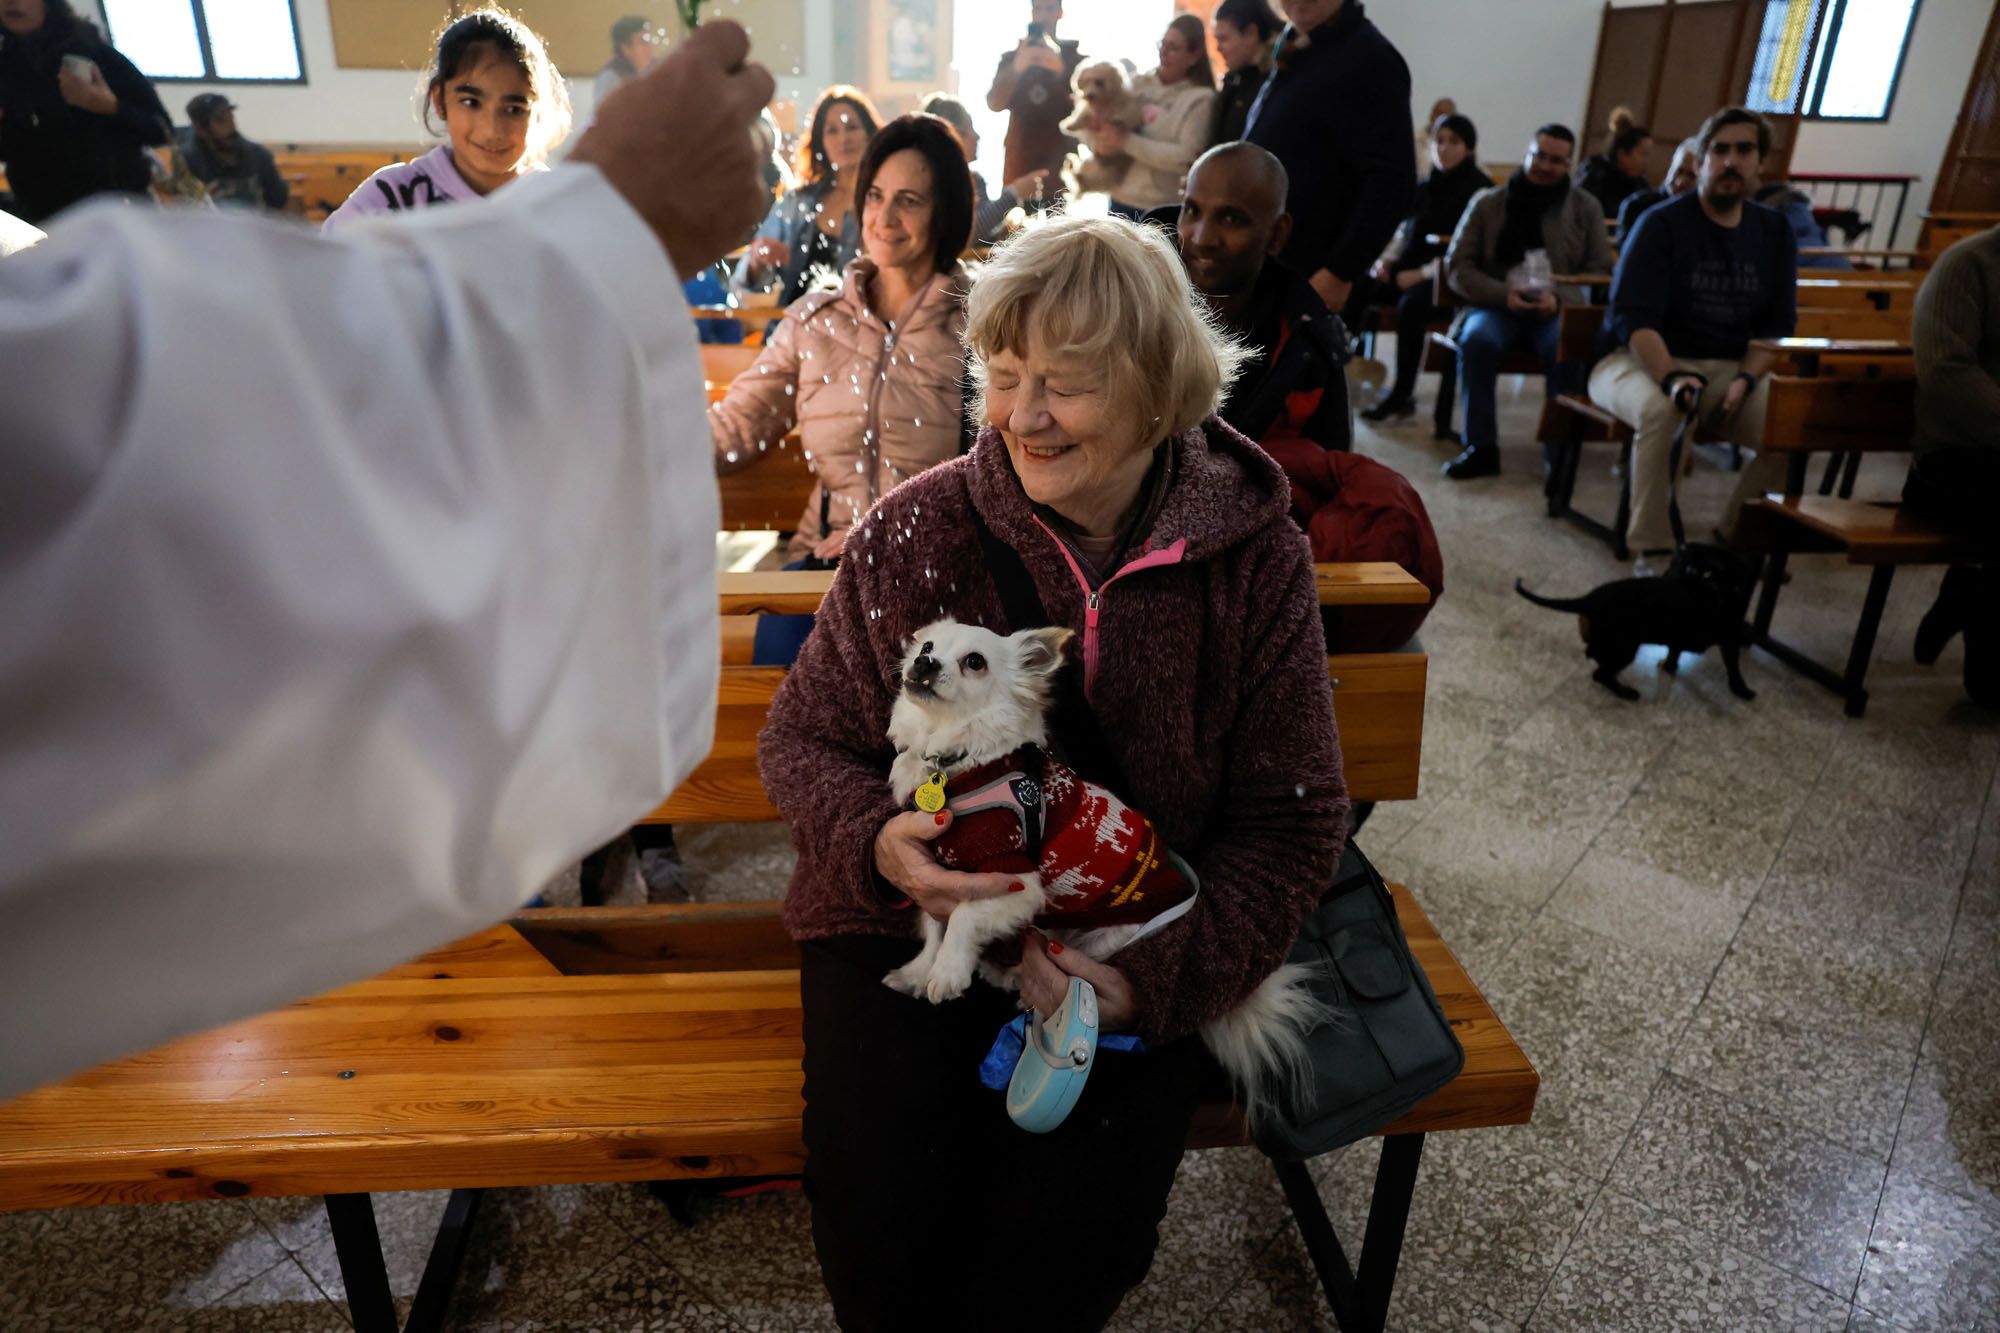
<point>1105,292</point>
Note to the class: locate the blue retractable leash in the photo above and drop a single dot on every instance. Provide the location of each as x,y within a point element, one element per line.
<point>1059,1051</point>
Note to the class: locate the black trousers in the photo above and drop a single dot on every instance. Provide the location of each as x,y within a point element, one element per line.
<point>931,1210</point>
<point>1414,313</point>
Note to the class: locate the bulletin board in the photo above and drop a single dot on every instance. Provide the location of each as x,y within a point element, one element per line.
<point>397,34</point>
<point>385,34</point>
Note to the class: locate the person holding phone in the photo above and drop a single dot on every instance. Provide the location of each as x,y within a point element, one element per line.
<point>1032,84</point>
<point>76,117</point>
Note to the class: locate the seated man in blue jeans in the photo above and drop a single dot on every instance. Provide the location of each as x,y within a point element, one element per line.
<point>1511,239</point>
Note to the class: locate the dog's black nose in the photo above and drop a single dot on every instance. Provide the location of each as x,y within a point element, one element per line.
<point>925,669</point>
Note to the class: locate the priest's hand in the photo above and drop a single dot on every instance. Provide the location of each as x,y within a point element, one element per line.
<point>676,143</point>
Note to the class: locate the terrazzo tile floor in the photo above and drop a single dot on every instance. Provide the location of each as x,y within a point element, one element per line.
<point>1754,949</point>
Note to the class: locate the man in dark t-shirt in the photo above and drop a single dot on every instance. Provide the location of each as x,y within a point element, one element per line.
<point>1703,276</point>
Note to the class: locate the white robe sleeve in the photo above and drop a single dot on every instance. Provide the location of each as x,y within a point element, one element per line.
<point>348,591</point>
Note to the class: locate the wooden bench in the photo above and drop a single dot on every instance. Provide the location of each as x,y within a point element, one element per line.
<point>1378,698</point>
<point>1847,359</point>
<point>1942,230</point>
<point>613,1044</point>
<point>1849,416</point>
<point>326,174</point>
<point>1860,339</point>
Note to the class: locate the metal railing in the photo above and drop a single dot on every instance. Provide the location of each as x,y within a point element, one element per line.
<point>1869,197</point>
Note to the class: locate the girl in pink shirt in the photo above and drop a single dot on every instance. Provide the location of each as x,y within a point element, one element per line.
<point>504,109</point>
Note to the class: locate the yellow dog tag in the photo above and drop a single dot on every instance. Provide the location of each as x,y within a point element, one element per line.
<point>930,796</point>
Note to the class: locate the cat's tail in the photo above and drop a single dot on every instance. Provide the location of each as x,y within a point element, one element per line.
<point>1553,603</point>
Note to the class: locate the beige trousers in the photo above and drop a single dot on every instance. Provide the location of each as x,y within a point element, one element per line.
<point>1622,387</point>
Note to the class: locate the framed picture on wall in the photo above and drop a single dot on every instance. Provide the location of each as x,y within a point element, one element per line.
<point>911,49</point>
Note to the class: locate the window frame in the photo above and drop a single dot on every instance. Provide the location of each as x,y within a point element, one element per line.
<point>199,8</point>
<point>1825,47</point>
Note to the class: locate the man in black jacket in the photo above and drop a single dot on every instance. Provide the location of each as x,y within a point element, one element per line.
<point>1336,113</point>
<point>1232,225</point>
<point>237,172</point>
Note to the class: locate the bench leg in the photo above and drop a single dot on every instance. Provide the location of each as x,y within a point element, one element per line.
<point>1832,473</point>
<point>1623,523</point>
<point>1848,474</point>
<point>359,1248</point>
<point>1767,601</point>
<point>1864,638</point>
<point>1359,1300</point>
<point>1447,400</point>
<point>1562,475</point>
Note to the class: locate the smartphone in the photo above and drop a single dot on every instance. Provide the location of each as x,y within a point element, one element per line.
<point>81,66</point>
<point>1034,32</point>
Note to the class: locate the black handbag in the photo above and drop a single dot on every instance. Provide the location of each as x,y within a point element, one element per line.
<point>1390,1045</point>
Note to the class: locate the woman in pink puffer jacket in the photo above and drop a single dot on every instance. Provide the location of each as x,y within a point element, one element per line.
<point>872,374</point>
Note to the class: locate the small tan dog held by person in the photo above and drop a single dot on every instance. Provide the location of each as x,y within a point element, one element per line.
<point>1104,97</point>
<point>971,736</point>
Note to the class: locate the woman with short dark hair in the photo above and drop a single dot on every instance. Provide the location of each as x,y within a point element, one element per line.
<point>76,117</point>
<point>814,230</point>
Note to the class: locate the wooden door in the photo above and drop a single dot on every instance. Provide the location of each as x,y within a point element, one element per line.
<point>1969,179</point>
<point>1673,64</point>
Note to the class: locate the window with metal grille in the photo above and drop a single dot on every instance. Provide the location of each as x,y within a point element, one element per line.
<point>209,41</point>
<point>1830,59</point>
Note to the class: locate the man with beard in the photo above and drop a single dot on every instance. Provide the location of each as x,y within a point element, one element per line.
<point>237,172</point>
<point>1512,238</point>
<point>1232,226</point>
<point>1703,277</point>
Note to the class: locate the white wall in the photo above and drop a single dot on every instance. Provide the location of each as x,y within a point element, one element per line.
<point>1944,43</point>
<point>1509,64</point>
<point>375,106</point>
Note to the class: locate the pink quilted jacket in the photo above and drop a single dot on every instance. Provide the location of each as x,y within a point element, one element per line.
<point>874,405</point>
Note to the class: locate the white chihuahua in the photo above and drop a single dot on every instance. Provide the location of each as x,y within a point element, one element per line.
<point>970,732</point>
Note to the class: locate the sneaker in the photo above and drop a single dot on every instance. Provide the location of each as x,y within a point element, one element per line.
<point>1652,564</point>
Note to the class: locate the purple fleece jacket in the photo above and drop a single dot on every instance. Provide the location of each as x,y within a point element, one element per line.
<point>1210,687</point>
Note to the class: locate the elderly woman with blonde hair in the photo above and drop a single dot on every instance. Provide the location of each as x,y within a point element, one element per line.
<point>1104,482</point>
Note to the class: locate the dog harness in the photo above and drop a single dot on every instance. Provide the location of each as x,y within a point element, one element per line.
<point>1102,863</point>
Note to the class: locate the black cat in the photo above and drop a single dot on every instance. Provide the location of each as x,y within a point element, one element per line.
<point>1697,604</point>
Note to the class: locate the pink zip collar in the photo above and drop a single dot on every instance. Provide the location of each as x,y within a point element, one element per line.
<point>1093,600</point>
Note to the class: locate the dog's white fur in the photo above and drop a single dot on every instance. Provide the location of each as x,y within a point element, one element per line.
<point>989,697</point>
<point>1104,96</point>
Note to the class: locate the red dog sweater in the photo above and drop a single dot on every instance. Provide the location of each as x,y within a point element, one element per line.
<point>1102,863</point>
